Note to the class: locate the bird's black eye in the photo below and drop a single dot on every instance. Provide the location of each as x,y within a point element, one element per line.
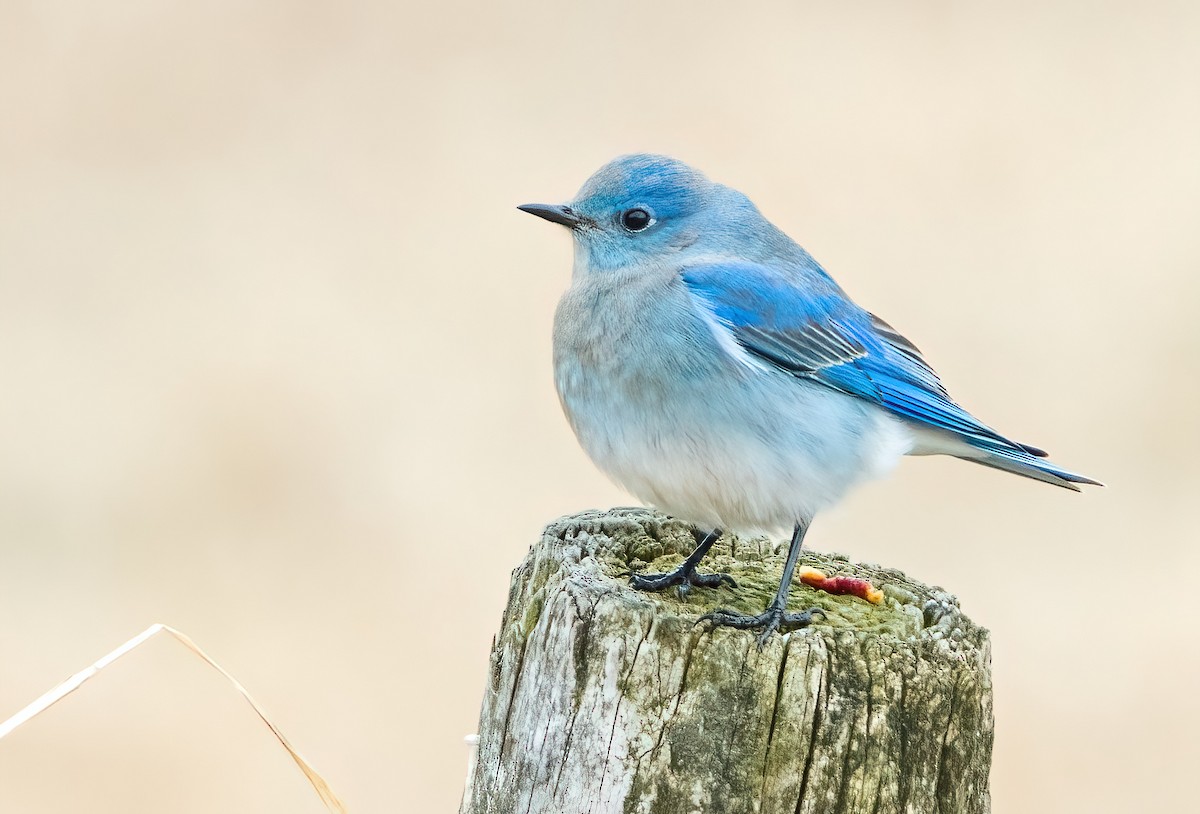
<point>635,220</point>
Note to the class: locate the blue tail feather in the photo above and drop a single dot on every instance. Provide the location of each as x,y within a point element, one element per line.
<point>1017,460</point>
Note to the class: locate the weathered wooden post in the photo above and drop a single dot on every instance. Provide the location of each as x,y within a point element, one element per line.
<point>602,699</point>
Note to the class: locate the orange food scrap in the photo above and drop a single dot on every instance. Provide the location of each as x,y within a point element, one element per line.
<point>852,586</point>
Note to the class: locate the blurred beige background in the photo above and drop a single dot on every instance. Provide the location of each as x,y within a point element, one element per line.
<point>274,353</point>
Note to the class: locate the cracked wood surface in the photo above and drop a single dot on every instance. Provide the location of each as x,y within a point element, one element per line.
<point>601,699</point>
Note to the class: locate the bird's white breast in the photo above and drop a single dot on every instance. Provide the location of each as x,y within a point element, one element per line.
<point>664,404</point>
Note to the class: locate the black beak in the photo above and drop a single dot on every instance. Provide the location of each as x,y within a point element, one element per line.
<point>553,213</point>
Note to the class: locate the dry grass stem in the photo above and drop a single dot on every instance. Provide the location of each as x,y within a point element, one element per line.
<point>73,683</point>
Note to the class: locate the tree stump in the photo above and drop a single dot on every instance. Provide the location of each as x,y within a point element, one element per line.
<point>602,699</point>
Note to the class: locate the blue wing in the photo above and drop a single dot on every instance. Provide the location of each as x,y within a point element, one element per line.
<point>806,326</point>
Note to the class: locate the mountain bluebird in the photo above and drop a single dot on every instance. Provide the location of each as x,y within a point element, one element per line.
<point>709,365</point>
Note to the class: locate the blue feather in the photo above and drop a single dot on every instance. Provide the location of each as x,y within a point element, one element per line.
<point>802,323</point>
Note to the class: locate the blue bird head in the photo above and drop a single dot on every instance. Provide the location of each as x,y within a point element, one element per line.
<point>640,208</point>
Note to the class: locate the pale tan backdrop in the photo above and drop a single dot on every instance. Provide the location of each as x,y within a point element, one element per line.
<point>274,358</point>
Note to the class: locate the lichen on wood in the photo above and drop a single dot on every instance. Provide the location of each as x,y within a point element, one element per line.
<point>603,699</point>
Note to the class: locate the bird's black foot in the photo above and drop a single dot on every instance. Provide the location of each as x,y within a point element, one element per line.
<point>772,619</point>
<point>684,576</point>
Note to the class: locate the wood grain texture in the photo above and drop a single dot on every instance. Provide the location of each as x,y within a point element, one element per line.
<point>601,699</point>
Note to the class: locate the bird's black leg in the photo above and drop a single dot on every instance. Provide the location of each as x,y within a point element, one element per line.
<point>775,617</point>
<point>685,575</point>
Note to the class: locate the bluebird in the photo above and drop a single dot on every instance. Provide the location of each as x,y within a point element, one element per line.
<point>710,366</point>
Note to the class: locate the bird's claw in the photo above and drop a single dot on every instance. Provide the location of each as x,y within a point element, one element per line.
<point>683,577</point>
<point>774,618</point>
